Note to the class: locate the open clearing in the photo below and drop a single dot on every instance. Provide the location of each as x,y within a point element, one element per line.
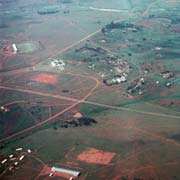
<point>96,156</point>
<point>45,78</point>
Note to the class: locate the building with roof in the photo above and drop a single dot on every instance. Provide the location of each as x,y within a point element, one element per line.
<point>66,171</point>
<point>14,48</point>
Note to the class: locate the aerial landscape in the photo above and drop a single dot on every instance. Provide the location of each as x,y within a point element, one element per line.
<point>90,90</point>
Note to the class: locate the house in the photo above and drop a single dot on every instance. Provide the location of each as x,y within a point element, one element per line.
<point>29,151</point>
<point>51,174</point>
<point>11,156</point>
<point>19,149</point>
<point>4,161</point>
<point>16,163</point>
<point>21,158</point>
<point>168,84</point>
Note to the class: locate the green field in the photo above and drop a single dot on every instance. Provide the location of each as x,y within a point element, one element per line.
<point>28,47</point>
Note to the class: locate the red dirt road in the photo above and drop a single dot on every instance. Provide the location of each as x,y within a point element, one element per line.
<point>76,102</point>
<point>39,93</point>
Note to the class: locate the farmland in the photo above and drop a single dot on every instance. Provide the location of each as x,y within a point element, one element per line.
<point>93,87</point>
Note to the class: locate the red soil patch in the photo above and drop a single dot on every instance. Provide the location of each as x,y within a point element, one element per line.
<point>66,176</point>
<point>96,156</point>
<point>7,50</point>
<point>74,111</point>
<point>45,78</point>
<point>130,96</point>
<point>46,170</point>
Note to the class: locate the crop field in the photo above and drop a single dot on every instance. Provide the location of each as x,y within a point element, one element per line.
<point>94,87</point>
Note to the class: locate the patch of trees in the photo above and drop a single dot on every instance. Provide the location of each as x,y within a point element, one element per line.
<point>173,16</point>
<point>66,12</point>
<point>65,90</point>
<point>176,137</point>
<point>94,49</point>
<point>3,26</point>
<point>84,121</point>
<point>117,25</point>
<point>175,178</point>
<point>175,20</point>
<point>48,11</point>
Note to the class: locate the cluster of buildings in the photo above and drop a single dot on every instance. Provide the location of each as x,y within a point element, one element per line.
<point>120,69</point>
<point>58,63</point>
<point>3,109</point>
<point>115,80</point>
<point>167,75</point>
<point>137,87</point>
<point>91,66</point>
<point>14,160</point>
<point>119,66</point>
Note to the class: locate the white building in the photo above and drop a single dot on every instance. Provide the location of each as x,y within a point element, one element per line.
<point>4,161</point>
<point>16,163</point>
<point>158,48</point>
<point>14,48</point>
<point>29,151</point>
<point>21,158</point>
<point>66,171</point>
<point>2,108</point>
<point>157,82</point>
<point>58,63</point>
<point>11,168</point>
<point>19,149</point>
<point>51,174</point>
<point>168,84</point>
<point>11,156</point>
